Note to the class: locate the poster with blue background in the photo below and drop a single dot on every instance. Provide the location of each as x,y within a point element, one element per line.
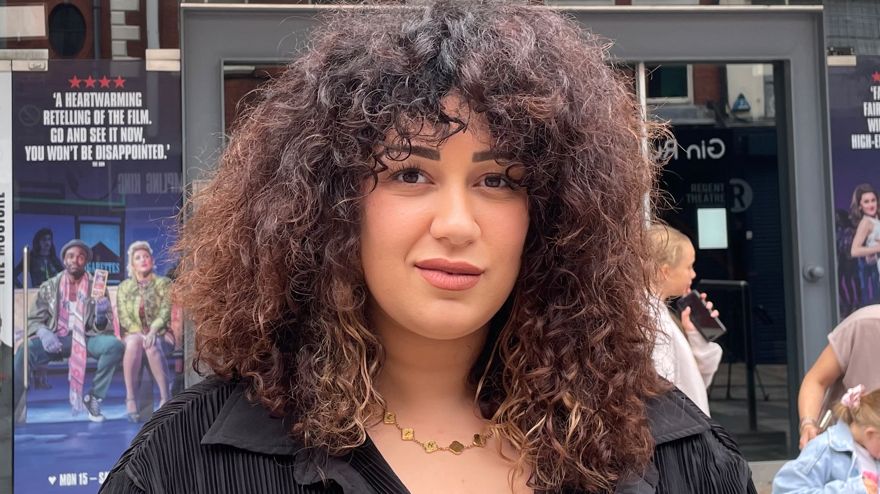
<point>96,157</point>
<point>854,100</point>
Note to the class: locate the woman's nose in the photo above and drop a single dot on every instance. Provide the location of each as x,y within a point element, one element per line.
<point>454,220</point>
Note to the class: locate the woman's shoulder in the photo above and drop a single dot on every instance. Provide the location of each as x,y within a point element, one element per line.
<point>693,453</point>
<point>212,439</point>
<point>193,409</point>
<point>868,222</point>
<point>171,437</point>
<point>126,284</point>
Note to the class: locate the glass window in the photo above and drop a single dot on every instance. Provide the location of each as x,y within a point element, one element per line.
<point>67,30</point>
<point>668,82</point>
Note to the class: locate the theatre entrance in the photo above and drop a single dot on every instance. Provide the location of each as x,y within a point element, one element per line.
<point>723,186</point>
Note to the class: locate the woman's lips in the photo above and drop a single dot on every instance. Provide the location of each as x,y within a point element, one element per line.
<point>449,275</point>
<point>449,281</point>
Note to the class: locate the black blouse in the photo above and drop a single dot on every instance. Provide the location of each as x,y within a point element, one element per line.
<point>211,439</point>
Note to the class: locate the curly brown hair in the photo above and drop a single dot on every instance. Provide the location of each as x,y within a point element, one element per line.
<point>270,267</point>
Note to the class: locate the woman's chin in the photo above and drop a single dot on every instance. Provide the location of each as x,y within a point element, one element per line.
<point>447,332</point>
<point>448,326</point>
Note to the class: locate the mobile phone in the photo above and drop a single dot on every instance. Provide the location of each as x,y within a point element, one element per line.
<point>710,327</point>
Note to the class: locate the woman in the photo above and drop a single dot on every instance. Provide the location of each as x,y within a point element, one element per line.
<point>414,272</point>
<point>681,354</point>
<point>144,305</point>
<point>866,240</point>
<point>849,360</point>
<point>43,262</point>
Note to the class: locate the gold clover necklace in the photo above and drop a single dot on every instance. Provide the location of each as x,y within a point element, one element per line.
<point>455,447</point>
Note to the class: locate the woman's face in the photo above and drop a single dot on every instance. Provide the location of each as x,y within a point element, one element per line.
<point>868,204</point>
<point>442,237</point>
<point>44,246</point>
<point>677,278</point>
<point>142,262</point>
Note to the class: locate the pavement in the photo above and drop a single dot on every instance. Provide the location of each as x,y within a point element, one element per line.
<point>763,473</point>
<point>769,441</point>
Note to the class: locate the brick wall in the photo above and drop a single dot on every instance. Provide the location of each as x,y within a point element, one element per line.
<point>123,27</point>
<point>169,18</point>
<point>128,36</point>
<point>707,83</point>
<point>84,7</point>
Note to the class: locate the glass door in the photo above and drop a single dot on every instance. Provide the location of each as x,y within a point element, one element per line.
<point>722,186</point>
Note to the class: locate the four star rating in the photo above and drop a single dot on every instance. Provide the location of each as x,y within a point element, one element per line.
<point>102,83</point>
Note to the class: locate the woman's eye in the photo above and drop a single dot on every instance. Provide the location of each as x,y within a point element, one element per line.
<point>410,176</point>
<point>496,181</point>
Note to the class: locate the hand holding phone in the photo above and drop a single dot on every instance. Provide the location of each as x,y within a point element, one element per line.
<point>701,316</point>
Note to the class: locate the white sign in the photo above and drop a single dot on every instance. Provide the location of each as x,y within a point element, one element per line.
<point>23,21</point>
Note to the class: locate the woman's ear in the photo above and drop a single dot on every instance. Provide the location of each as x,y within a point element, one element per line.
<point>663,272</point>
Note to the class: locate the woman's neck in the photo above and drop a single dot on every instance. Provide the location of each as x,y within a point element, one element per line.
<point>141,278</point>
<point>426,376</point>
<point>658,292</point>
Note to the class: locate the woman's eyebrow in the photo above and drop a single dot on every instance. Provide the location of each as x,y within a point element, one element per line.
<point>487,155</point>
<point>433,154</point>
<point>421,151</point>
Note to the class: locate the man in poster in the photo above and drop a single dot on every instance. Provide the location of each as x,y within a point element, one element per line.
<point>66,321</point>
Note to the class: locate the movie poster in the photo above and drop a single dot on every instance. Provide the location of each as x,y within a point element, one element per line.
<point>96,188</point>
<point>854,100</point>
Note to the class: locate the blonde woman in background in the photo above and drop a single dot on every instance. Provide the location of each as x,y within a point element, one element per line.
<point>681,354</point>
<point>144,307</point>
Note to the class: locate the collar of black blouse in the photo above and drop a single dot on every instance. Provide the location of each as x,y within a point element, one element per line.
<point>250,427</point>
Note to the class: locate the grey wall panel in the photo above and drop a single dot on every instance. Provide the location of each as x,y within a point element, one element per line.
<point>211,36</point>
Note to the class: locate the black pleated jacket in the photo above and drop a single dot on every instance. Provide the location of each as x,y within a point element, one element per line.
<point>210,439</point>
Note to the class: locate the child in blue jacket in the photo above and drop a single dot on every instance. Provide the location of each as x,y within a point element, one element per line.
<point>843,459</point>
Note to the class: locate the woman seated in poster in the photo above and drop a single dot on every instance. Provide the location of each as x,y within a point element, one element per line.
<point>144,306</point>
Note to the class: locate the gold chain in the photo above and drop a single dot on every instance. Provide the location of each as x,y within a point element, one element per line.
<point>455,447</point>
